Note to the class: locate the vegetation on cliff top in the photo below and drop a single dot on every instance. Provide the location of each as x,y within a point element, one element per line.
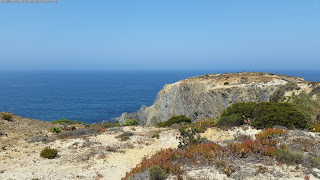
<point>67,122</point>
<point>306,103</point>
<point>263,115</point>
<point>7,117</point>
<point>174,120</point>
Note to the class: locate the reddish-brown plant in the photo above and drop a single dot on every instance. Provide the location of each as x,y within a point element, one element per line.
<point>270,133</point>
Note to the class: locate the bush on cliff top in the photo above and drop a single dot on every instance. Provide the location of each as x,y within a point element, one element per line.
<point>263,115</point>
<point>62,121</point>
<point>111,124</point>
<point>7,117</point>
<point>67,122</point>
<point>174,120</point>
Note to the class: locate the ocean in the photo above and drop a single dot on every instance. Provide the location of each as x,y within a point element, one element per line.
<point>92,96</point>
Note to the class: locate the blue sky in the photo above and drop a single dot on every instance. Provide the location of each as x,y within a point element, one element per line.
<point>161,34</point>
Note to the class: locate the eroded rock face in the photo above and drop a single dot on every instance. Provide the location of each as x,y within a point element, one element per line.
<point>207,96</point>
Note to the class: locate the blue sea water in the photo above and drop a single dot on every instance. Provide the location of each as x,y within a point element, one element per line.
<point>91,96</point>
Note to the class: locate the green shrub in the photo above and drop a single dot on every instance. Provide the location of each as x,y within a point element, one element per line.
<point>187,135</point>
<point>7,117</point>
<point>232,120</point>
<point>131,122</point>
<point>287,156</point>
<point>78,133</point>
<point>245,109</point>
<point>276,96</point>
<point>156,135</point>
<point>314,161</point>
<point>307,105</point>
<point>67,122</point>
<point>264,115</point>
<point>202,125</point>
<point>78,122</point>
<point>55,130</point>
<point>49,153</point>
<point>111,124</point>
<point>125,136</point>
<point>62,121</point>
<point>156,173</point>
<point>174,120</point>
<point>283,114</point>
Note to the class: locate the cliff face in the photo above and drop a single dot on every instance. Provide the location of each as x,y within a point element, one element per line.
<point>208,95</point>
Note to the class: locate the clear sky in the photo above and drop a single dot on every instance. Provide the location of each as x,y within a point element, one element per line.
<point>161,34</point>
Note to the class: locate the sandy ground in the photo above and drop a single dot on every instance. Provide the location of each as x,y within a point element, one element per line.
<point>104,156</point>
<point>85,158</point>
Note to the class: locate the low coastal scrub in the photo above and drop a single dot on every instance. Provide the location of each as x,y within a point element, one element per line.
<point>131,122</point>
<point>168,159</point>
<point>232,120</point>
<point>172,160</point>
<point>78,133</point>
<point>125,136</point>
<point>156,173</point>
<point>287,156</point>
<point>7,117</point>
<point>62,121</point>
<point>187,135</point>
<point>202,125</point>
<point>67,122</point>
<point>49,153</point>
<point>263,115</point>
<point>78,122</point>
<point>111,124</point>
<point>263,144</point>
<point>174,120</point>
<point>314,127</point>
<point>270,133</point>
<point>156,135</point>
<point>278,94</point>
<point>55,130</point>
<point>307,105</point>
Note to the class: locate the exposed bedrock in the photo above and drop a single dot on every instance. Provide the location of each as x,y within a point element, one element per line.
<point>208,95</point>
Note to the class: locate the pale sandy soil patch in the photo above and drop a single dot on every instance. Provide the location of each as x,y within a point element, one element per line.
<point>85,158</point>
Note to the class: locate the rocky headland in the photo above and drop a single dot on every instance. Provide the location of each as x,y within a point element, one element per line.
<point>208,95</point>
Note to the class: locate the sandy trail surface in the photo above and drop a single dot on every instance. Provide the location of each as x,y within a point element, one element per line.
<point>102,156</point>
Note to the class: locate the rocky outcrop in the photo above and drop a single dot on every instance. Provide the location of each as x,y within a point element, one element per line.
<point>208,95</point>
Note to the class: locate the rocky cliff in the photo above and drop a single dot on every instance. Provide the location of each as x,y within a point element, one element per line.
<point>207,96</point>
